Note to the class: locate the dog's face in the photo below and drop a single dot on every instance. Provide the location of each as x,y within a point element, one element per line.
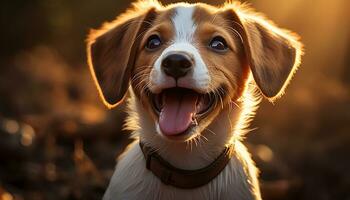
<point>187,67</point>
<point>186,63</point>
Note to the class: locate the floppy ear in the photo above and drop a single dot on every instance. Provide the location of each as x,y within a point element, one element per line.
<point>273,54</point>
<point>111,53</point>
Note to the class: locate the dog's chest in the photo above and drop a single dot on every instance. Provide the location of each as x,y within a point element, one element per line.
<point>131,180</point>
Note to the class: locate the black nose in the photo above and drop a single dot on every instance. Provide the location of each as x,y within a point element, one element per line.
<point>177,65</point>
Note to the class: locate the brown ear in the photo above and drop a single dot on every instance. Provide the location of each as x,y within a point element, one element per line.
<point>111,53</point>
<point>273,54</point>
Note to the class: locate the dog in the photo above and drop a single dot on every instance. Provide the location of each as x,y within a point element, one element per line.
<point>195,75</point>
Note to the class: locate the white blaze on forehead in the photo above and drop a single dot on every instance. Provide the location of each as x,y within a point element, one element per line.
<point>184,24</point>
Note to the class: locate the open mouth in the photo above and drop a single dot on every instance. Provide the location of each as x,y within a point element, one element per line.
<point>180,109</point>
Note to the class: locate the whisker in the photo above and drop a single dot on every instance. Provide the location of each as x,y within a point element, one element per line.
<point>202,136</point>
<point>236,33</point>
<point>210,131</point>
<point>234,103</point>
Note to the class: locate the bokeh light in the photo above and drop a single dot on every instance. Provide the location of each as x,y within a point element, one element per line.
<point>57,141</point>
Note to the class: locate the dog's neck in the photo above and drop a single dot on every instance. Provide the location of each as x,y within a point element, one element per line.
<point>225,129</point>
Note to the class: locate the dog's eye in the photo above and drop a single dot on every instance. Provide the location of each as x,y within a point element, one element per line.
<point>153,42</point>
<point>219,44</point>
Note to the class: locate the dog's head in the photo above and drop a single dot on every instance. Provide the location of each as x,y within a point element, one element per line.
<point>185,62</point>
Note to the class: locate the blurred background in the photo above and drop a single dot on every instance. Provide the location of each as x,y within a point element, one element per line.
<point>57,140</point>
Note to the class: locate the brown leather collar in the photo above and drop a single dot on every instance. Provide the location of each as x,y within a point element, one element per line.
<point>181,178</point>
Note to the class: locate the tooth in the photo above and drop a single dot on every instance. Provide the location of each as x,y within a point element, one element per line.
<point>194,119</point>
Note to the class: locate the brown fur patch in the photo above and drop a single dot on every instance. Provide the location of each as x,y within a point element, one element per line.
<point>112,54</point>
<point>227,69</point>
<point>272,53</point>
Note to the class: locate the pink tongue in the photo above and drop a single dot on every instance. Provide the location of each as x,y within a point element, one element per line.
<point>176,115</point>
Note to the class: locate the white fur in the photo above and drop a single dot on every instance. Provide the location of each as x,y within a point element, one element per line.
<point>184,24</point>
<point>198,79</point>
<point>131,179</point>
<point>238,181</point>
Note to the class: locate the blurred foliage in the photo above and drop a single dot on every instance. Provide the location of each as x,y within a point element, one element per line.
<point>57,141</point>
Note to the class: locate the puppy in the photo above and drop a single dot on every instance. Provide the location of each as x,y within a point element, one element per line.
<point>196,74</point>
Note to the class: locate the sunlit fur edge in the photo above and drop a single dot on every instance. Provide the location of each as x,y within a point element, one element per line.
<point>244,11</point>
<point>250,100</point>
<point>137,9</point>
<point>247,13</point>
